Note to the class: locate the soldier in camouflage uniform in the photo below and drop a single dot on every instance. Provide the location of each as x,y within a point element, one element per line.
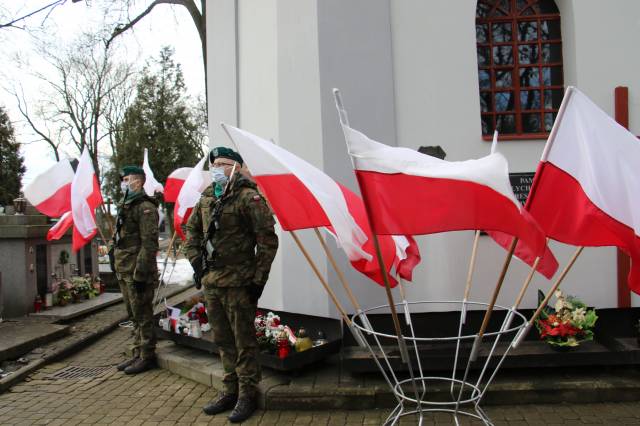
<point>135,248</point>
<point>237,263</point>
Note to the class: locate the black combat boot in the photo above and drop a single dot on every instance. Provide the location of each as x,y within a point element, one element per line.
<point>225,401</point>
<point>243,410</point>
<point>126,363</point>
<point>140,365</point>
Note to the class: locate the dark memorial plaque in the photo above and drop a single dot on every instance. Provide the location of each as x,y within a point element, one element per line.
<point>521,184</point>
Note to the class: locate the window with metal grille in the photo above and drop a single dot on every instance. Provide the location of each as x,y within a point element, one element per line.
<point>519,67</point>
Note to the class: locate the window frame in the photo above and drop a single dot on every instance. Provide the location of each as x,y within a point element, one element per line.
<point>515,17</point>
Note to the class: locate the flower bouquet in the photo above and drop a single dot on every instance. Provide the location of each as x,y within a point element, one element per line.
<point>64,292</point>
<point>567,324</point>
<point>274,337</point>
<point>83,288</point>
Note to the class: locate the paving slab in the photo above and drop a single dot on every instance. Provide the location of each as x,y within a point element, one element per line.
<point>73,310</point>
<point>18,337</point>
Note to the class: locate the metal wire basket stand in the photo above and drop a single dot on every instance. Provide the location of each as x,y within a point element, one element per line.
<point>481,354</point>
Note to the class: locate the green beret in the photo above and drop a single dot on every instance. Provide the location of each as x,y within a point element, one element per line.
<point>224,152</point>
<point>131,170</point>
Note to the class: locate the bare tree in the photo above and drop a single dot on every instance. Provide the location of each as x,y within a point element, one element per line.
<point>43,12</point>
<point>88,92</point>
<point>198,17</point>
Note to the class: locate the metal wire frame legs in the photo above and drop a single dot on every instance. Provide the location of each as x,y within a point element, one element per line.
<point>474,361</point>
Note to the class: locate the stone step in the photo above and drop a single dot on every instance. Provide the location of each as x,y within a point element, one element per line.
<point>73,310</point>
<point>328,386</point>
<point>17,337</point>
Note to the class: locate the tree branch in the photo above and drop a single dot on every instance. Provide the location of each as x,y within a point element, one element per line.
<point>51,5</point>
<point>186,3</point>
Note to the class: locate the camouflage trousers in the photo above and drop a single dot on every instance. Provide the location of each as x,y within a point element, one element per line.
<point>141,301</point>
<point>124,290</point>
<point>232,316</point>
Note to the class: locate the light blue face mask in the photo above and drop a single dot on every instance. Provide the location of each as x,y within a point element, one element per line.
<point>218,176</point>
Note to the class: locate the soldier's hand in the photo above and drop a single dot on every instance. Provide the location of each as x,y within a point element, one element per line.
<point>112,258</point>
<point>255,291</point>
<point>197,279</point>
<point>197,273</point>
<point>139,286</point>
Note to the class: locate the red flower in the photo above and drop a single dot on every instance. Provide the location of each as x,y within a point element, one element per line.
<point>563,329</point>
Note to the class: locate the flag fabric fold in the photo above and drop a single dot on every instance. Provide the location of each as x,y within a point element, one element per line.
<point>547,264</point>
<point>85,198</point>
<point>407,256</point>
<point>50,191</point>
<point>151,185</point>
<point>195,182</point>
<point>584,191</point>
<point>409,193</point>
<point>58,230</point>
<point>302,196</point>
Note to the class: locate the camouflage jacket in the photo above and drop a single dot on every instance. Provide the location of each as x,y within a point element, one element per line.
<point>245,243</point>
<point>137,239</point>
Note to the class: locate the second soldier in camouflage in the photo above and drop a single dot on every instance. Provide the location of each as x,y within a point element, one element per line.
<point>136,247</point>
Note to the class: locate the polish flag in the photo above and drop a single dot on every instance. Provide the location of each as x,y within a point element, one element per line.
<point>85,198</point>
<point>302,196</point>
<point>190,192</point>
<point>151,185</point>
<point>175,181</point>
<point>584,191</point>
<point>547,264</point>
<point>50,191</point>
<point>407,192</point>
<point>58,230</point>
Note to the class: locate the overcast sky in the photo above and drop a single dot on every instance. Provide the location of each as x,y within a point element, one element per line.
<point>165,26</point>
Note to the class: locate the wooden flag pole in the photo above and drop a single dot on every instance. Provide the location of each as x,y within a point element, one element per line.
<point>324,283</point>
<point>472,264</point>
<point>341,276</point>
<point>550,293</point>
<point>107,219</point>
<point>494,297</point>
<point>173,237</point>
<point>496,291</point>
<point>467,288</point>
<point>527,280</point>
<point>101,234</point>
<point>394,314</point>
<point>526,283</point>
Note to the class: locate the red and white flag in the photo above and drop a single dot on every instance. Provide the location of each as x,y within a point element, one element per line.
<point>584,191</point>
<point>151,185</point>
<point>50,191</point>
<point>58,230</point>
<point>175,181</point>
<point>190,191</point>
<point>410,193</point>
<point>85,198</point>
<point>547,264</point>
<point>302,196</point>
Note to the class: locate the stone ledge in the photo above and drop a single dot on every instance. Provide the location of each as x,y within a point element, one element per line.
<point>308,390</point>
